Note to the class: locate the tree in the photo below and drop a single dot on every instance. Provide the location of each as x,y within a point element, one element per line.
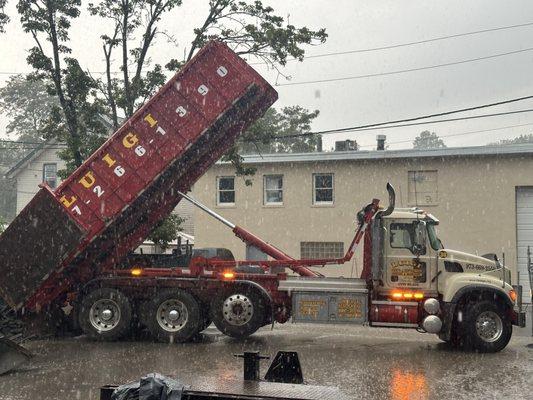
<point>250,28</point>
<point>77,116</point>
<point>4,18</point>
<point>522,139</point>
<point>253,29</point>
<point>131,18</point>
<point>272,133</point>
<point>166,231</point>
<point>28,105</point>
<point>428,140</point>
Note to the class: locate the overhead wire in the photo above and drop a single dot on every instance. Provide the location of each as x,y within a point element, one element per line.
<point>402,71</point>
<point>427,116</point>
<point>355,51</point>
<point>413,43</point>
<point>21,145</point>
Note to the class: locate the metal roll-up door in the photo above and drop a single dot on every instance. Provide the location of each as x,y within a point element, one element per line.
<point>524,236</point>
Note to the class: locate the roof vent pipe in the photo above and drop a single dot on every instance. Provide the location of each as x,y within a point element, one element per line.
<point>381,142</point>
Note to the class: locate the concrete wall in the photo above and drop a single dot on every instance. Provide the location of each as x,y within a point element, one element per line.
<point>476,204</point>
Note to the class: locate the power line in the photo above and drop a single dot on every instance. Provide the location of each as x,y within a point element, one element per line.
<point>379,125</point>
<point>402,71</point>
<point>394,46</point>
<point>440,121</point>
<point>58,146</point>
<point>399,121</point>
<point>355,51</point>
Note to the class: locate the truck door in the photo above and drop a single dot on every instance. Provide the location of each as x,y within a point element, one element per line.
<point>408,260</point>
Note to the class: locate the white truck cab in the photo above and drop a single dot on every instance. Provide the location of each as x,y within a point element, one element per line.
<point>465,297</point>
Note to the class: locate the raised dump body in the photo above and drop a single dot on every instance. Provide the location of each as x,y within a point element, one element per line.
<point>107,207</point>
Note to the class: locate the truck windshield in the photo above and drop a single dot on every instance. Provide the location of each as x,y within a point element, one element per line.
<point>435,242</point>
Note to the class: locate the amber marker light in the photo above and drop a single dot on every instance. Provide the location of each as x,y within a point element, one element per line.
<point>513,295</point>
<point>228,275</point>
<point>396,295</point>
<point>419,295</point>
<point>136,271</point>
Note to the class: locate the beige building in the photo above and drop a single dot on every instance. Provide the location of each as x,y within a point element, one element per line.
<point>306,203</point>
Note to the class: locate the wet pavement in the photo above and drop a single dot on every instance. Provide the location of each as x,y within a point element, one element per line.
<point>364,363</point>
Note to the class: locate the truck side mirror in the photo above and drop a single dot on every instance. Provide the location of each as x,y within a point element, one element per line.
<point>419,245</point>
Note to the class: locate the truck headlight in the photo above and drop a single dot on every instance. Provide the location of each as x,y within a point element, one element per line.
<point>432,306</point>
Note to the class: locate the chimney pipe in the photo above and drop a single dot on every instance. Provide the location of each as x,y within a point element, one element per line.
<point>381,142</point>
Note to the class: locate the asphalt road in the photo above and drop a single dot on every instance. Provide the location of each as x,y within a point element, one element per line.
<point>365,363</point>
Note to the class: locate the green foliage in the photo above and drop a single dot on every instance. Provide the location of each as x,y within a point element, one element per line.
<point>77,115</point>
<point>131,18</point>
<point>249,27</point>
<point>522,139</point>
<point>166,231</point>
<point>428,140</point>
<point>252,28</point>
<point>4,18</point>
<point>27,103</point>
<point>267,134</point>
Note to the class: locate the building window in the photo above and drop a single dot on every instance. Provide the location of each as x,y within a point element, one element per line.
<point>50,175</point>
<point>422,187</point>
<point>273,192</point>
<point>226,190</point>
<point>322,188</point>
<point>316,250</point>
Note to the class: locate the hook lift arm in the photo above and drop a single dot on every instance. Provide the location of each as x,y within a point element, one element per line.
<point>364,218</point>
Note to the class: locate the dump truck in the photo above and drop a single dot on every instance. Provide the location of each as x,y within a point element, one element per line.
<point>77,240</point>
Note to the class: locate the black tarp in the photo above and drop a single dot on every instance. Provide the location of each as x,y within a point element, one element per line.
<point>150,387</point>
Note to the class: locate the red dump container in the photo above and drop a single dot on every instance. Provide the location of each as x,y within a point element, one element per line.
<point>107,207</point>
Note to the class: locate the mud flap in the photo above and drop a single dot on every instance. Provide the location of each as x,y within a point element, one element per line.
<point>12,355</point>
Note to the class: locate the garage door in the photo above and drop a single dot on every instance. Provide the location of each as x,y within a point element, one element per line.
<point>524,231</point>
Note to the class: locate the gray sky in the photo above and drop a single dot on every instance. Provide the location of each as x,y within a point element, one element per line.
<point>354,24</point>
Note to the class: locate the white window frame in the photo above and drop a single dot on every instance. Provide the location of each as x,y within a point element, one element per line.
<point>218,191</point>
<point>44,174</point>
<point>324,203</point>
<point>282,189</point>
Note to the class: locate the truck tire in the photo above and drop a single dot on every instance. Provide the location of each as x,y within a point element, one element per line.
<point>239,312</point>
<point>105,314</point>
<point>174,316</point>
<point>486,327</point>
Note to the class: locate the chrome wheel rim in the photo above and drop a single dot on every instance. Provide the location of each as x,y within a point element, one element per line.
<point>104,315</point>
<point>172,315</point>
<point>489,326</point>
<point>238,310</point>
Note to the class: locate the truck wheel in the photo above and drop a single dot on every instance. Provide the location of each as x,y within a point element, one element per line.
<point>487,327</point>
<point>239,312</point>
<point>105,314</point>
<point>174,316</point>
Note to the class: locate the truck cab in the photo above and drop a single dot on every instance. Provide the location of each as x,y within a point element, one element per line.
<point>464,297</point>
